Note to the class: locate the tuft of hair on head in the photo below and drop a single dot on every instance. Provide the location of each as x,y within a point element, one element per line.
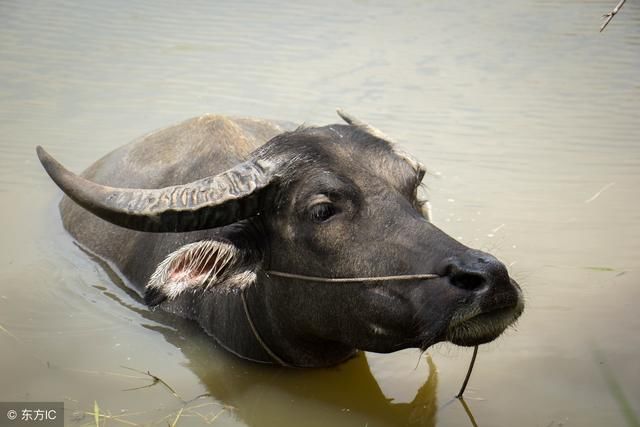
<point>198,267</point>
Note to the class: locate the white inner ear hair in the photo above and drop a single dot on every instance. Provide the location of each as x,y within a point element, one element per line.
<point>200,266</point>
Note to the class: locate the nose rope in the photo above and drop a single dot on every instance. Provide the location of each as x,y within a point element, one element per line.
<point>264,345</point>
<point>425,276</point>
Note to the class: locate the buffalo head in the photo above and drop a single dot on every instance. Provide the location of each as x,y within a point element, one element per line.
<point>337,201</point>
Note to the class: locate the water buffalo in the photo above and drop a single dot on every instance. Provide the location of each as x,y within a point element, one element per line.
<point>295,246</point>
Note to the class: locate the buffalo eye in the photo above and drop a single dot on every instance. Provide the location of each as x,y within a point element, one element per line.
<point>322,212</point>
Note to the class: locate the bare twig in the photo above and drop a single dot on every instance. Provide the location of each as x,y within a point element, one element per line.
<point>215,417</point>
<point>105,417</point>
<point>175,421</point>
<point>106,373</point>
<point>3,329</point>
<point>602,190</point>
<point>96,413</point>
<point>155,380</point>
<point>609,16</point>
<point>468,411</point>
<point>200,396</point>
<point>616,390</point>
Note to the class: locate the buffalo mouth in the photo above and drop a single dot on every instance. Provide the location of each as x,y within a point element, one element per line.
<point>474,326</point>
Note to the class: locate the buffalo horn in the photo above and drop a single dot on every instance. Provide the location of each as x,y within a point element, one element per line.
<point>353,121</point>
<point>366,127</point>
<point>210,202</point>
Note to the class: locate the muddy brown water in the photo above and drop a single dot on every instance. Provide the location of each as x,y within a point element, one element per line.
<point>526,116</point>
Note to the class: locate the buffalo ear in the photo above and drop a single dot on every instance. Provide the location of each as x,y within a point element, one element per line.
<point>197,267</point>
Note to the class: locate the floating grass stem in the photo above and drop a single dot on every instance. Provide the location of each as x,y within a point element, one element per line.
<point>96,413</point>
<point>175,421</point>
<point>155,380</point>
<point>466,379</point>
<point>3,329</point>
<point>616,390</point>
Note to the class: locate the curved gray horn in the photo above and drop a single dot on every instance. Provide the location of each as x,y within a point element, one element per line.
<point>207,203</point>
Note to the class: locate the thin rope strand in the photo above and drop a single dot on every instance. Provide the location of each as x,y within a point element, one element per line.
<point>323,280</point>
<point>466,379</point>
<point>257,335</point>
<point>352,279</point>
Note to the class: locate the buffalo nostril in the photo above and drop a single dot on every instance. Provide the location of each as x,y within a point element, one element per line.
<point>467,280</point>
<point>475,271</point>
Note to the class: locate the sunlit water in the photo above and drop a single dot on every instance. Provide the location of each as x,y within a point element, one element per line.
<point>526,116</point>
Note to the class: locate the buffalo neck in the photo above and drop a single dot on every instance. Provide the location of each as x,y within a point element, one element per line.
<point>283,335</point>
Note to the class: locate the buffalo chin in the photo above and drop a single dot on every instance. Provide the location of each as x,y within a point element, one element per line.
<point>484,327</point>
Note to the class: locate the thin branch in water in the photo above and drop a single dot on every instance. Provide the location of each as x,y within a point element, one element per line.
<point>609,16</point>
<point>107,373</point>
<point>6,331</point>
<point>215,417</point>
<point>105,417</point>
<point>155,380</point>
<point>602,190</point>
<point>207,419</point>
<point>202,405</point>
<point>200,396</point>
<point>167,386</point>
<point>141,387</point>
<point>468,411</point>
<point>175,422</point>
<point>466,379</point>
<point>96,413</point>
<point>617,393</point>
